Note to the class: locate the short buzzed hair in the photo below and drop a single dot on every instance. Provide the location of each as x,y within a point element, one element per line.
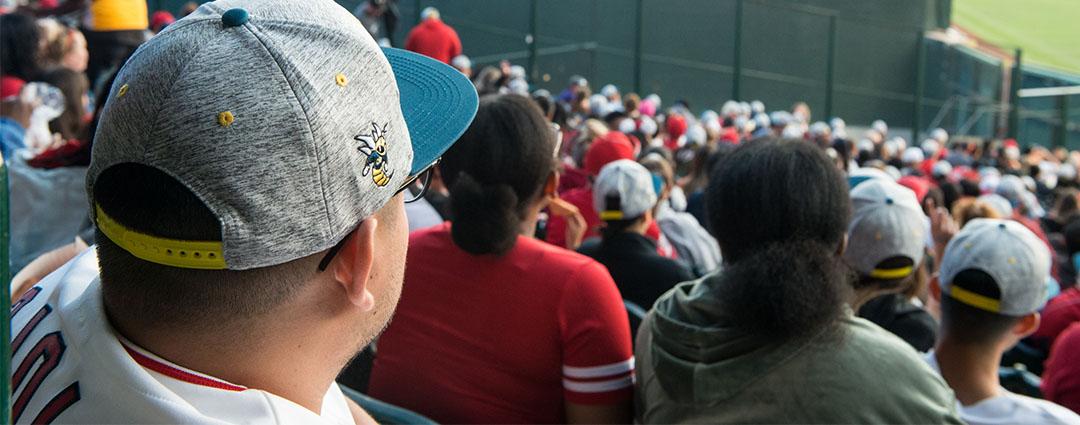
<point>970,325</point>
<point>150,201</point>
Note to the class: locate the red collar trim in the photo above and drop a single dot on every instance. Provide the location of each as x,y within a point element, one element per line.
<point>175,373</point>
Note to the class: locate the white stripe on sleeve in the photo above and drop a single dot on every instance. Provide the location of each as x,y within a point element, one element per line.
<point>612,369</point>
<point>598,386</point>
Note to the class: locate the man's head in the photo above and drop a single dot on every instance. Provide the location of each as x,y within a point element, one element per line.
<point>992,284</point>
<point>249,161</point>
<point>462,63</point>
<point>624,195</point>
<point>886,236</point>
<point>430,13</point>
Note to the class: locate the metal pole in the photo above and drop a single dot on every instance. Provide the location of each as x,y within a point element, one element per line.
<point>534,12</point>
<point>920,71</point>
<point>640,20</point>
<point>1063,115</point>
<point>830,72</point>
<point>737,63</point>
<point>5,295</point>
<point>1014,97</point>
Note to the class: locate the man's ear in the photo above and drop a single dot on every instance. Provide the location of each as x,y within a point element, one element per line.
<point>1027,325</point>
<point>935,288</point>
<point>352,267</point>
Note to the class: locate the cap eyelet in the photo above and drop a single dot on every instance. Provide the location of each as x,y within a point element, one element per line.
<point>123,90</point>
<point>341,80</point>
<point>225,119</point>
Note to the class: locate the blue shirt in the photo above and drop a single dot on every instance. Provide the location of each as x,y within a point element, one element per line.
<point>12,137</point>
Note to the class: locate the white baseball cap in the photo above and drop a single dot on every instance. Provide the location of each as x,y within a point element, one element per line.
<point>624,190</point>
<point>886,222</point>
<point>1016,260</point>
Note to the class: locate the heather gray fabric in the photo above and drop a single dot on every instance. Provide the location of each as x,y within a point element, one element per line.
<point>886,222</point>
<point>1012,255</point>
<point>304,82</point>
<point>693,366</point>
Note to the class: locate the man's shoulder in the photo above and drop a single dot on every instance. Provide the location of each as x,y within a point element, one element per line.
<point>1017,408</point>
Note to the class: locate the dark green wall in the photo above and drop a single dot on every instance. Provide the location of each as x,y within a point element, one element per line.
<point>688,51</point>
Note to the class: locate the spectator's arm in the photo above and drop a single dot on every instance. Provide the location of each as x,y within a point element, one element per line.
<point>598,358</point>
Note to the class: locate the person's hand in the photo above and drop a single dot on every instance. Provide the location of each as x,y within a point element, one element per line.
<point>43,265</point>
<point>575,222</point>
<point>942,225</point>
<point>17,110</point>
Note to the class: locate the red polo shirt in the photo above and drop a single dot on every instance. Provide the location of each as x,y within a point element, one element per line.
<point>435,39</point>
<point>1061,379</point>
<point>510,339</point>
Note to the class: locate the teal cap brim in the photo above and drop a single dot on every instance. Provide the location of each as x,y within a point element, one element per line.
<point>437,101</point>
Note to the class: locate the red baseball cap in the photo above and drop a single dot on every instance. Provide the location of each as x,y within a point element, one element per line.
<point>160,19</point>
<point>10,86</point>
<point>606,149</point>
<point>676,126</point>
<point>917,184</point>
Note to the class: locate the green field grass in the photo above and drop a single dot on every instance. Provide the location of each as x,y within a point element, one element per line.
<point>1047,30</point>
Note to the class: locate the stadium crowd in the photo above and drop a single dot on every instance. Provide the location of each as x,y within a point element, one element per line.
<point>579,257</point>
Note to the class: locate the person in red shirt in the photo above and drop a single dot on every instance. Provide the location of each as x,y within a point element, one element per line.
<point>1059,314</point>
<point>1061,379</point>
<point>495,326</point>
<point>434,38</point>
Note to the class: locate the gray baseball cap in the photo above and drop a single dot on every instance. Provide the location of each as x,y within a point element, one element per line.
<point>623,190</point>
<point>284,117</point>
<point>886,222</point>
<point>1016,259</point>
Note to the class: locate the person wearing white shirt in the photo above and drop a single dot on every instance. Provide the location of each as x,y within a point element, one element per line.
<point>991,287</point>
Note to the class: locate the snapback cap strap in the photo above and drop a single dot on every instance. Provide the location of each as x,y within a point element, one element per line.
<point>610,215</point>
<point>891,273</point>
<point>206,255</point>
<point>981,302</point>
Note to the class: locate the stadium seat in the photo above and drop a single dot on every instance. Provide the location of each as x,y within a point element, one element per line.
<point>385,413</point>
<point>1020,381</point>
<point>636,315</point>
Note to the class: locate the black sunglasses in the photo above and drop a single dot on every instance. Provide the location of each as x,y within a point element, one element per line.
<point>412,196</point>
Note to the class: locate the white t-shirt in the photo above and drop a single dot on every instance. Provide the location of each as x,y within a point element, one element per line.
<point>1011,408</point>
<point>69,365</point>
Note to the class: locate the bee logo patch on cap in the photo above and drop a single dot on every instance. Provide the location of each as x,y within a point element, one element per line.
<point>374,148</point>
